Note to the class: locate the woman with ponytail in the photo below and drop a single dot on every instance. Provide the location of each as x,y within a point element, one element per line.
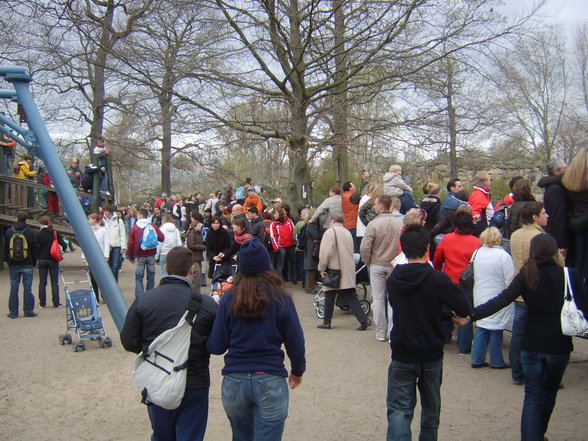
<point>545,351</point>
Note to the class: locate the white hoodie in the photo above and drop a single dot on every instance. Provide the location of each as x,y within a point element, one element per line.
<point>172,238</point>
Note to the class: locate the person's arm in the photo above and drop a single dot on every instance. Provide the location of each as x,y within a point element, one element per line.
<point>439,256</point>
<point>320,210</point>
<point>218,341</point>
<point>62,242</point>
<point>366,245</point>
<point>325,250</point>
<point>123,233</point>
<point>363,211</point>
<point>130,336</point>
<point>274,236</point>
<point>293,337</point>
<point>355,198</point>
<point>453,297</point>
<point>160,236</point>
<point>505,298</point>
<point>131,245</point>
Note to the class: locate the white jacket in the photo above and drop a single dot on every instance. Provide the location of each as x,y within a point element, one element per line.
<point>493,271</point>
<point>117,233</point>
<point>172,238</point>
<point>101,234</point>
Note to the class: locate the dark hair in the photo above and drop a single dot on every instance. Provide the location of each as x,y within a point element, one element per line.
<point>543,247</point>
<point>108,207</point>
<point>347,186</point>
<point>253,294</point>
<point>21,216</point>
<point>281,215</point>
<point>46,220</point>
<point>336,190</point>
<point>179,261</point>
<point>530,209</point>
<point>415,241</point>
<point>522,190</point>
<point>216,219</point>
<point>462,195</point>
<point>286,208</point>
<point>144,213</point>
<point>385,200</point>
<point>240,222</point>
<point>252,209</point>
<point>464,223</point>
<point>513,181</point>
<point>452,183</point>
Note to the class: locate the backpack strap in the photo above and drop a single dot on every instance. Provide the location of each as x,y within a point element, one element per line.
<point>193,309</point>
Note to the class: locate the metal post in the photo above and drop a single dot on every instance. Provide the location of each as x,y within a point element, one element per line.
<point>102,273</point>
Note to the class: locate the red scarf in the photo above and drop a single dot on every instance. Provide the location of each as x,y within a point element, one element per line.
<point>242,237</point>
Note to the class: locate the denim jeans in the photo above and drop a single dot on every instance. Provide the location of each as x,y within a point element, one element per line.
<point>48,267</point>
<point>256,405</point>
<point>186,423</point>
<point>516,341</point>
<point>481,340</point>
<point>162,262</point>
<point>26,273</point>
<point>465,333</point>
<point>287,254</point>
<point>543,374</point>
<point>115,261</point>
<point>382,311</point>
<point>403,380</point>
<point>142,264</point>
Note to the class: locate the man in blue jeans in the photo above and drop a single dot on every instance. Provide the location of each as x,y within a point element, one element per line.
<point>21,256</point>
<point>417,293</point>
<point>144,257</point>
<point>148,317</point>
<point>117,237</point>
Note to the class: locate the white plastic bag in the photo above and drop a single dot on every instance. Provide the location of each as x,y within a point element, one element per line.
<point>573,321</point>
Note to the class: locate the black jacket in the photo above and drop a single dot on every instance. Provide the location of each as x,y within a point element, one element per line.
<point>45,239</point>
<point>417,294</point>
<point>557,206</point>
<point>257,228</point>
<point>160,309</point>
<point>29,234</point>
<point>543,330</point>
<point>218,241</point>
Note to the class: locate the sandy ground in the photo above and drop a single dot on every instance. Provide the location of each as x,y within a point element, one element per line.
<point>48,392</point>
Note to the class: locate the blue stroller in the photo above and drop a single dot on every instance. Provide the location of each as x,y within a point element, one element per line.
<point>83,316</point>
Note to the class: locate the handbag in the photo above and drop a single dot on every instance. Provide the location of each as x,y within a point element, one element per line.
<point>333,277</point>
<point>467,276</point>
<point>573,321</point>
<point>56,249</point>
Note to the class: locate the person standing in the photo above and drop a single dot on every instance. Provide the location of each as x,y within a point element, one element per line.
<point>282,236</point>
<point>451,201</point>
<point>117,238</point>
<point>145,258</point>
<point>256,317</point>
<point>417,294</point>
<point>330,206</point>
<point>195,243</point>
<point>171,239</point>
<point>218,245</point>
<point>46,263</point>
<point>21,255</point>
<point>336,252</point>
<point>545,350</point>
<point>102,152</point>
<point>350,206</point>
<point>255,223</point>
<point>481,201</point>
<point>378,248</point>
<point>157,311</point>
<point>101,235</point>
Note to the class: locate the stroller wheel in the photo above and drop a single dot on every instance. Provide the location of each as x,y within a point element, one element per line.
<point>62,339</point>
<point>108,342</point>
<point>67,338</point>
<point>101,342</point>
<point>365,306</point>
<point>320,311</point>
<point>74,348</point>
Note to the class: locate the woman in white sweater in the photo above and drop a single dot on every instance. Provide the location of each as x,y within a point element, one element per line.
<point>172,239</point>
<point>101,234</point>
<point>493,271</point>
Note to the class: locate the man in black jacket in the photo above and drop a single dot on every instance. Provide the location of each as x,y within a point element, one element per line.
<point>21,248</point>
<point>417,294</point>
<point>158,310</point>
<point>256,225</point>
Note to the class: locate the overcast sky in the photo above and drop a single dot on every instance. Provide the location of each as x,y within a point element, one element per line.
<point>571,12</point>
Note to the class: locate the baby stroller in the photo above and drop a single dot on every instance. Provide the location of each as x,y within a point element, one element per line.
<point>222,279</point>
<point>83,316</point>
<point>362,282</point>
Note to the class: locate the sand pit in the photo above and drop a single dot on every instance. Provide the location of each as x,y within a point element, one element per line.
<point>50,393</point>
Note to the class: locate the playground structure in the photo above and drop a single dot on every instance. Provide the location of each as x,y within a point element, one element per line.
<point>38,143</point>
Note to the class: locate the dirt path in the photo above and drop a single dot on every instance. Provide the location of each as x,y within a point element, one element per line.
<point>48,392</point>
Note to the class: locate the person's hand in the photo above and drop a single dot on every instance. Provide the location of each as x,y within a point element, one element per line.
<point>477,218</point>
<point>294,381</point>
<point>564,252</point>
<point>323,274</point>
<point>460,321</point>
<point>84,261</point>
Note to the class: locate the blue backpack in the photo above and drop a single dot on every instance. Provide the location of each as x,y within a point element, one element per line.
<point>149,240</point>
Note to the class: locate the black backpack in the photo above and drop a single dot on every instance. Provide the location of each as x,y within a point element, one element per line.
<point>301,239</point>
<point>500,219</point>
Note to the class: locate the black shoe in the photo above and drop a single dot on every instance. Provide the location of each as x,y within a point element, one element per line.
<point>481,365</point>
<point>11,316</point>
<point>32,314</point>
<point>324,326</point>
<point>504,366</point>
<point>363,326</point>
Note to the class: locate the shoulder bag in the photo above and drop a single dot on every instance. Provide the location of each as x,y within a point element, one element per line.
<point>573,321</point>
<point>467,277</point>
<point>56,249</point>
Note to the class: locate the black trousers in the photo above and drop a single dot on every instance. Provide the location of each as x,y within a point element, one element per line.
<point>349,296</point>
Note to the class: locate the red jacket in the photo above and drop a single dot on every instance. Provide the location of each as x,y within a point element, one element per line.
<point>480,200</point>
<point>282,234</point>
<point>350,206</point>
<point>134,245</point>
<point>454,253</point>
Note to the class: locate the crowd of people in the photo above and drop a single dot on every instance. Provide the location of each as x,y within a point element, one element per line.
<point>416,253</point>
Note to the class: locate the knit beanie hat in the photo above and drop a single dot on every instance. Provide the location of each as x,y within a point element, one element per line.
<point>253,257</point>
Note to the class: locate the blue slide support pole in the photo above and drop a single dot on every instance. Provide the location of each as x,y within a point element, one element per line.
<point>116,303</point>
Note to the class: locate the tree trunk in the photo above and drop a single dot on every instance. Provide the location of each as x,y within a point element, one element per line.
<point>165,103</point>
<point>341,105</point>
<point>452,126</point>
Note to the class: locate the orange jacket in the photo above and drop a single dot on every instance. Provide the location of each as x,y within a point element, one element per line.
<point>350,208</point>
<point>256,200</point>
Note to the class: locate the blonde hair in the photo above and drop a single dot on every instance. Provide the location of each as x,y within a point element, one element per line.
<point>306,214</point>
<point>395,168</point>
<point>575,177</point>
<point>491,237</point>
<point>415,216</point>
<point>431,188</point>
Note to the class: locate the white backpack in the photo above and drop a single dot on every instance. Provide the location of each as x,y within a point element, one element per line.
<point>161,373</point>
